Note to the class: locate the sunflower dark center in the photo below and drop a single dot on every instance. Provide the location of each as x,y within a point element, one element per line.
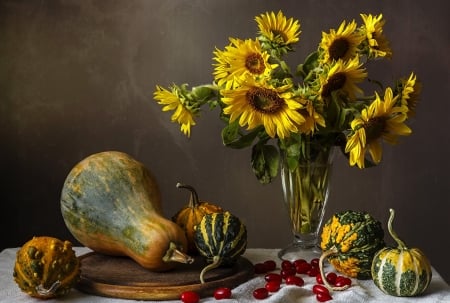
<point>280,34</point>
<point>255,63</point>
<point>336,82</point>
<point>375,128</point>
<point>339,48</point>
<point>264,100</point>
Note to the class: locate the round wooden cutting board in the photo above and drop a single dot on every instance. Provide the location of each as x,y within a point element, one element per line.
<point>122,277</point>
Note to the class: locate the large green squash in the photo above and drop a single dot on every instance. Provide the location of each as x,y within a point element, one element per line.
<point>111,203</point>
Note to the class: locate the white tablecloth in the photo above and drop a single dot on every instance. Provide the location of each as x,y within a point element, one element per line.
<point>361,291</point>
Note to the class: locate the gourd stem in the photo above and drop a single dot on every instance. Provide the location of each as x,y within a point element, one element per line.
<point>173,254</point>
<point>216,262</point>
<point>48,292</point>
<point>332,251</point>
<point>401,244</point>
<point>193,202</point>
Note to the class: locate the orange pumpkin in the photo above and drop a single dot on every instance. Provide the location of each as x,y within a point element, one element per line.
<point>192,214</point>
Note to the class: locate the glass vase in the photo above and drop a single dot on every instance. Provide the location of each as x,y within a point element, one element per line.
<point>305,193</point>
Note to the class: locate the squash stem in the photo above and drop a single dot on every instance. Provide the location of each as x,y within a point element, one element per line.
<point>216,262</point>
<point>173,254</point>
<point>401,244</point>
<point>46,293</point>
<point>326,254</point>
<point>193,201</point>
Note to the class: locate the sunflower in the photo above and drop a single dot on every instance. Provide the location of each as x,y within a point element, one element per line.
<point>312,118</point>
<point>174,101</point>
<point>257,103</point>
<point>342,76</point>
<point>341,44</point>
<point>381,120</point>
<point>377,44</point>
<point>278,29</point>
<point>239,59</point>
<point>409,90</point>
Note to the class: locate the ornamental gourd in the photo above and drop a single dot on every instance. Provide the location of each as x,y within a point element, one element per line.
<point>401,271</point>
<point>191,215</point>
<point>111,203</point>
<point>349,240</point>
<point>221,238</point>
<point>46,267</point>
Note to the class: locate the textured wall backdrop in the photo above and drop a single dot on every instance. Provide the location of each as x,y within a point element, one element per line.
<point>77,77</point>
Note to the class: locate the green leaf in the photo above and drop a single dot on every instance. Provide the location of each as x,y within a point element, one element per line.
<point>292,163</point>
<point>308,66</point>
<point>311,61</point>
<point>202,92</point>
<point>291,149</point>
<point>300,71</point>
<point>230,133</point>
<point>265,162</point>
<point>231,136</point>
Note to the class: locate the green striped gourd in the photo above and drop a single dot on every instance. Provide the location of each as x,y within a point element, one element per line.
<point>221,238</point>
<point>349,240</point>
<point>401,271</point>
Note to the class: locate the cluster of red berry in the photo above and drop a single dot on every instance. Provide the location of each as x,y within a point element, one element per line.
<point>193,297</point>
<point>289,273</point>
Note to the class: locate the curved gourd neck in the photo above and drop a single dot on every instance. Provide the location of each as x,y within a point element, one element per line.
<point>400,243</point>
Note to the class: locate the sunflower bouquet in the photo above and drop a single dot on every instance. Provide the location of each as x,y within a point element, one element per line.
<point>274,109</point>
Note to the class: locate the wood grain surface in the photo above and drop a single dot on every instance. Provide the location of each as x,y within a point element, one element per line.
<point>121,277</point>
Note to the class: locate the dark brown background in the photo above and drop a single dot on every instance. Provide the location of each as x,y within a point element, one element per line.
<point>77,77</point>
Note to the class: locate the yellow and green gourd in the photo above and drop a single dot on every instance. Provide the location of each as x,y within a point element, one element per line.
<point>221,238</point>
<point>46,267</point>
<point>401,271</point>
<point>349,240</point>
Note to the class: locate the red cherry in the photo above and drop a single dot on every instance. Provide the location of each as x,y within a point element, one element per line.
<point>320,289</point>
<point>273,277</point>
<point>189,297</point>
<point>288,272</point>
<point>323,297</point>
<point>270,265</point>
<point>260,268</point>
<point>319,279</point>
<point>222,293</point>
<point>331,277</point>
<point>299,261</point>
<point>260,293</point>
<point>315,262</point>
<point>295,280</point>
<point>303,268</point>
<point>342,281</point>
<point>273,286</point>
<point>313,272</point>
<point>285,264</point>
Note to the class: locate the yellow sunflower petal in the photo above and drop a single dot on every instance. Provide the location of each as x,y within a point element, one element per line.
<point>375,151</point>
